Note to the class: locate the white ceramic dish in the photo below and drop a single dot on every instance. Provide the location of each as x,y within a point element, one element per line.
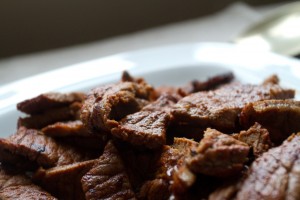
<point>171,65</point>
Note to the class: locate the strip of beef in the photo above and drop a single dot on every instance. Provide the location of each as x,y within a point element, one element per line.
<point>144,128</point>
<point>38,121</point>
<point>18,187</point>
<point>64,129</point>
<point>33,146</point>
<point>280,117</point>
<point>108,178</point>
<point>220,108</point>
<point>49,101</point>
<point>276,174</point>
<point>108,104</point>
<point>64,181</point>
<point>257,138</point>
<point>218,155</point>
<point>209,84</point>
<point>164,102</point>
<point>172,158</point>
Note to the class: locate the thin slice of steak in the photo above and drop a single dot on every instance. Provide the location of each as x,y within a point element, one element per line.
<point>32,145</point>
<point>18,187</point>
<point>108,178</point>
<point>64,181</point>
<point>38,121</point>
<point>274,175</point>
<point>108,104</point>
<point>144,128</point>
<point>280,117</point>
<point>218,155</point>
<point>257,138</point>
<point>220,108</point>
<point>49,101</point>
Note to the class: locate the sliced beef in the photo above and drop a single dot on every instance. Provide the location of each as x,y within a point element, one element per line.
<point>220,108</point>
<point>64,181</point>
<point>163,103</point>
<point>209,84</point>
<point>38,121</point>
<point>33,146</point>
<point>65,129</point>
<point>108,178</point>
<point>144,128</point>
<point>49,101</point>
<point>218,155</point>
<point>171,158</point>
<point>274,175</point>
<point>273,79</point>
<point>18,187</point>
<point>257,138</point>
<point>108,104</point>
<point>280,117</point>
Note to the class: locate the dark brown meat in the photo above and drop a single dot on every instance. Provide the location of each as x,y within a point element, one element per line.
<point>64,181</point>
<point>164,102</point>
<point>31,145</point>
<point>227,191</point>
<point>218,155</point>
<point>49,101</point>
<point>276,174</point>
<point>273,79</point>
<point>18,187</point>
<point>64,129</point>
<point>280,117</point>
<point>38,121</point>
<point>144,128</point>
<point>220,108</point>
<point>257,138</point>
<point>108,104</point>
<point>209,84</point>
<point>126,77</point>
<point>107,179</point>
<point>171,159</point>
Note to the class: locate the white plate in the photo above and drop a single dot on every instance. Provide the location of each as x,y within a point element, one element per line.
<point>171,65</point>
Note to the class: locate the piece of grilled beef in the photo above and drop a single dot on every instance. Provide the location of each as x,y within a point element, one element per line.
<point>257,138</point>
<point>49,101</point>
<point>108,178</point>
<point>38,121</point>
<point>64,182</point>
<point>14,186</point>
<point>34,147</point>
<point>220,108</point>
<point>280,117</point>
<point>108,104</point>
<point>274,175</point>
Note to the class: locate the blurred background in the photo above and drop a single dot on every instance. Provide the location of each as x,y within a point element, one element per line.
<point>37,35</point>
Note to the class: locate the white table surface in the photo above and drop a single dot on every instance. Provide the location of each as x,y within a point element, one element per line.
<point>219,27</point>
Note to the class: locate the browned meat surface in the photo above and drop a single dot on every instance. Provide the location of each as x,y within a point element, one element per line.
<point>275,175</point>
<point>64,181</point>
<point>126,77</point>
<point>108,178</point>
<point>220,108</point>
<point>171,158</point>
<point>49,101</point>
<point>167,90</point>
<point>29,144</point>
<point>164,102</point>
<point>63,129</point>
<point>273,79</point>
<point>227,191</point>
<point>218,155</point>
<point>108,104</point>
<point>209,84</point>
<point>257,138</point>
<point>18,187</point>
<point>38,121</point>
<point>280,117</point>
<point>144,128</point>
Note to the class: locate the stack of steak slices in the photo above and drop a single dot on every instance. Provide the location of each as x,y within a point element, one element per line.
<point>213,139</point>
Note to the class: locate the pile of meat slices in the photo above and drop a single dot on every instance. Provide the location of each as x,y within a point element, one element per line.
<point>217,139</point>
